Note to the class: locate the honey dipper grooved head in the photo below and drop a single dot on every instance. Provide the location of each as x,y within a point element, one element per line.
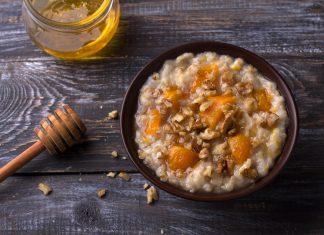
<point>60,130</point>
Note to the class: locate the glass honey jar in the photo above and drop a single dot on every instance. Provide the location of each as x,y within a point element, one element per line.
<point>71,29</point>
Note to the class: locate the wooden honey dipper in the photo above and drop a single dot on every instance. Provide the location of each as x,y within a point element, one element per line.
<point>56,133</point>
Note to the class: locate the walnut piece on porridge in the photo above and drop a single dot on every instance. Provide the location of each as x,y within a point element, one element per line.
<point>45,188</point>
<point>209,134</point>
<point>208,172</point>
<point>151,195</point>
<point>204,153</point>
<point>244,88</point>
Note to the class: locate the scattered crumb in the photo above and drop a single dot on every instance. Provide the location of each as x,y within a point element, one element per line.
<point>80,179</point>
<point>101,193</point>
<point>124,158</point>
<point>162,231</point>
<point>124,176</point>
<point>100,106</point>
<point>46,189</point>
<point>112,174</point>
<point>114,154</point>
<point>151,195</point>
<point>146,186</point>
<point>112,115</point>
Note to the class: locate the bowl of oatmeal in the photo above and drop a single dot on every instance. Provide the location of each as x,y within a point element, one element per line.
<point>209,121</point>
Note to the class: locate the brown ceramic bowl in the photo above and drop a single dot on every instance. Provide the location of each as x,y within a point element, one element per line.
<point>130,106</point>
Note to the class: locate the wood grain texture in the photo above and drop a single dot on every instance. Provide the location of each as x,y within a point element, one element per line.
<point>288,33</point>
<point>292,204</point>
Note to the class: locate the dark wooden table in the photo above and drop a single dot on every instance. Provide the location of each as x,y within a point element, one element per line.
<point>289,34</point>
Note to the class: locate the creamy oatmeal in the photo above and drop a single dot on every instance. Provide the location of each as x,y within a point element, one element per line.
<point>210,123</point>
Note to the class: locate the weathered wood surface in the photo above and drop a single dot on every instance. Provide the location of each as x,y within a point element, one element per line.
<point>289,34</point>
<point>290,205</point>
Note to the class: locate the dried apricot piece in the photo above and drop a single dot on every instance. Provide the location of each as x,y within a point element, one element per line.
<point>212,115</point>
<point>241,148</point>
<point>154,122</point>
<point>173,95</point>
<point>180,158</point>
<point>202,75</point>
<point>263,99</point>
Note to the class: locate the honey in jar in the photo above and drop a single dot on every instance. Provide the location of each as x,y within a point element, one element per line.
<point>71,29</point>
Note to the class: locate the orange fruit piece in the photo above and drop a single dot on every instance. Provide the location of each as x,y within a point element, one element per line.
<point>180,158</point>
<point>202,74</point>
<point>241,148</point>
<point>154,122</point>
<point>173,95</point>
<point>263,100</point>
<point>213,114</point>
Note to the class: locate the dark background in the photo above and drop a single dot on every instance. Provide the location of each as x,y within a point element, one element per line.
<point>289,34</point>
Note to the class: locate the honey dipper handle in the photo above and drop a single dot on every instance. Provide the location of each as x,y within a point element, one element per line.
<point>19,161</point>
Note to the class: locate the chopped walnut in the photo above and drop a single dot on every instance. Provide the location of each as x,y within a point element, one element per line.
<point>112,174</point>
<point>209,134</point>
<point>208,93</point>
<point>250,104</point>
<point>228,121</point>
<point>250,173</point>
<point>113,114</point>
<point>221,149</point>
<point>204,106</point>
<point>146,186</point>
<point>227,77</point>
<point>155,76</point>
<point>221,166</point>
<point>244,88</point>
<point>204,153</point>
<point>124,176</point>
<point>205,145</point>
<point>210,84</point>
<point>187,111</point>
<point>151,195</point>
<point>167,128</point>
<point>208,172</point>
<point>198,100</point>
<point>45,188</point>
<point>114,154</point>
<point>272,118</point>
<point>101,193</point>
<point>178,117</point>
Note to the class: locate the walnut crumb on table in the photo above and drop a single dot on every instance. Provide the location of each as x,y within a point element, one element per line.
<point>146,186</point>
<point>46,189</point>
<point>151,195</point>
<point>112,174</point>
<point>124,176</point>
<point>101,193</point>
<point>113,114</point>
<point>114,154</point>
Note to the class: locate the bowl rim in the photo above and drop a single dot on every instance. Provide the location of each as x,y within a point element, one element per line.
<point>158,61</point>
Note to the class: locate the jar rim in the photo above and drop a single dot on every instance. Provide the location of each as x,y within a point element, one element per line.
<point>85,23</point>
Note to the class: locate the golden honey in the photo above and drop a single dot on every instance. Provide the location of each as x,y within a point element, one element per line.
<point>71,29</point>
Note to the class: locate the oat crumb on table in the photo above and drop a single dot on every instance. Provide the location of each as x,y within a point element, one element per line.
<point>113,115</point>
<point>124,176</point>
<point>151,195</point>
<point>111,174</point>
<point>46,189</point>
<point>101,193</point>
<point>114,154</point>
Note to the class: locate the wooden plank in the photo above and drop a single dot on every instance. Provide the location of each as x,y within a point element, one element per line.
<point>289,28</point>
<point>30,90</point>
<point>292,204</point>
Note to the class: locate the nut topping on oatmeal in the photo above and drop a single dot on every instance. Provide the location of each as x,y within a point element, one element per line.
<point>209,123</point>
